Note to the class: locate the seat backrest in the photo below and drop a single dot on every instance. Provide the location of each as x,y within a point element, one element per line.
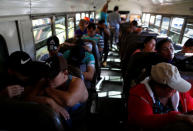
<point>95,52</point>
<point>139,67</point>
<point>28,116</point>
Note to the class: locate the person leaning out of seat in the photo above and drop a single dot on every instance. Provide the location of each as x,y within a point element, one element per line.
<point>64,93</point>
<point>80,58</point>
<point>161,99</point>
<point>17,75</point>
<point>188,46</point>
<point>148,46</point>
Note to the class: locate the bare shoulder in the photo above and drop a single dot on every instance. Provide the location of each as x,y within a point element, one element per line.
<point>77,81</point>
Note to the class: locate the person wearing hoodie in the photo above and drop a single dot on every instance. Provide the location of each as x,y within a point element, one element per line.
<point>160,99</point>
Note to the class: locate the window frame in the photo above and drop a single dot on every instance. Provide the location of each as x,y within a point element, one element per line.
<point>187,19</point>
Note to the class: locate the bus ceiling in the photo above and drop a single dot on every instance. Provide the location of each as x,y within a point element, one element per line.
<point>25,7</point>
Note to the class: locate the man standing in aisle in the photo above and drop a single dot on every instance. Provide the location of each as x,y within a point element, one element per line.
<point>114,20</point>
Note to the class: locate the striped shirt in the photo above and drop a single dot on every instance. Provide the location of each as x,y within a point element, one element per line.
<point>98,39</point>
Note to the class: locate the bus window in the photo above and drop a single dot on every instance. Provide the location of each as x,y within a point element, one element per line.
<point>82,15</point>
<point>134,17</point>
<point>87,15</point>
<point>42,51</point>
<point>165,26</point>
<point>70,26</point>
<point>143,18</point>
<point>41,31</point>
<point>188,33</point>
<point>157,23</point>
<point>60,29</point>
<point>92,15</point>
<point>147,17</point>
<point>151,22</point>
<point>175,30</point>
<point>77,18</point>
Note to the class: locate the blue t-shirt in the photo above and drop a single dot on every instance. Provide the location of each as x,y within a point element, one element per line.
<point>79,33</point>
<point>103,16</point>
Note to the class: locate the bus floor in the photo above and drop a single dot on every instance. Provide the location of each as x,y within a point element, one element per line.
<point>109,110</point>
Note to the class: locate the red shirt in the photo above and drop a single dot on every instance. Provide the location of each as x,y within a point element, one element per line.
<point>140,110</point>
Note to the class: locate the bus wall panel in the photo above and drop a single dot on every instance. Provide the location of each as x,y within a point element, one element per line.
<point>23,7</point>
<point>14,7</point>
<point>184,8</point>
<point>8,30</point>
<point>26,35</point>
<point>57,6</point>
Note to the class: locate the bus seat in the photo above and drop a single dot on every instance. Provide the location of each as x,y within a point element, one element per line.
<point>138,68</point>
<point>93,96</point>
<point>28,116</point>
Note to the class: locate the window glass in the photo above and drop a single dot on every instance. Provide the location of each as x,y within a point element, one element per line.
<point>165,26</point>
<point>82,15</point>
<point>175,30</point>
<point>152,20</point>
<point>134,17</point>
<point>97,16</point>
<point>40,52</point>
<point>60,29</point>
<point>143,17</point>
<point>188,33</point>
<point>158,20</point>
<point>41,32</point>
<point>147,17</point>
<point>87,15</point>
<point>70,26</point>
<point>92,15</point>
<point>77,18</point>
<point>157,23</point>
<point>41,29</point>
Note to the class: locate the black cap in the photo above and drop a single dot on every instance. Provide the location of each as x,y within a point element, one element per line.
<point>52,43</point>
<point>20,61</point>
<point>56,65</point>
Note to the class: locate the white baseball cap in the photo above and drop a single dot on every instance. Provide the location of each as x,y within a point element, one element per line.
<point>165,73</point>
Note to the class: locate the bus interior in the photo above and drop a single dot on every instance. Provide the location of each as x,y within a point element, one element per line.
<point>26,25</point>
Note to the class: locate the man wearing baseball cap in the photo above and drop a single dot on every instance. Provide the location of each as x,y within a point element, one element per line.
<point>160,99</point>
<point>53,48</point>
<point>18,73</point>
